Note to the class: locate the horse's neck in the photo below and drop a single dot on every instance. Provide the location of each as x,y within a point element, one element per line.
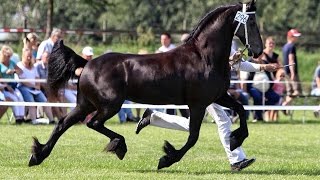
<point>216,42</point>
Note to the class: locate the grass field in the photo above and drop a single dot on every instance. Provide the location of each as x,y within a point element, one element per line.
<point>284,150</point>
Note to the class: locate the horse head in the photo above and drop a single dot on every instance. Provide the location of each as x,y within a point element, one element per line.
<point>247,29</point>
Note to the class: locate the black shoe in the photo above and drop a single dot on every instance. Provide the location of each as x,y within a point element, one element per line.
<point>52,122</point>
<point>242,164</point>
<point>133,119</point>
<point>144,121</point>
<point>19,121</point>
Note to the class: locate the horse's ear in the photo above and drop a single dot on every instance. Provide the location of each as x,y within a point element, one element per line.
<point>60,43</point>
<point>252,5</point>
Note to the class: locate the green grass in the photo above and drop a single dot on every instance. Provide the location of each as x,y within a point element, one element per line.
<point>284,150</point>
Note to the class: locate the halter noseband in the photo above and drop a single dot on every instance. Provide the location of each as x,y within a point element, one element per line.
<point>242,18</point>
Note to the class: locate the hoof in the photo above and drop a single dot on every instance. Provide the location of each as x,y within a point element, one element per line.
<point>118,147</point>
<point>165,161</point>
<point>33,161</point>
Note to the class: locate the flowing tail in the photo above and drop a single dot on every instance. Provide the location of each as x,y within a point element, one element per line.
<point>62,64</point>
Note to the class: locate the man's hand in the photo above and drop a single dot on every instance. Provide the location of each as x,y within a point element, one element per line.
<point>270,67</point>
<point>235,56</point>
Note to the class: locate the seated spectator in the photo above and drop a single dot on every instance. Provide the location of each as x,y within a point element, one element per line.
<point>42,69</point>
<point>31,90</point>
<point>258,89</point>
<point>8,69</point>
<point>279,87</point>
<point>3,109</point>
<point>125,114</point>
<point>316,86</point>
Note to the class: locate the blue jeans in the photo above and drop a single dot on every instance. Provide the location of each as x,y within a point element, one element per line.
<point>272,98</point>
<point>30,97</point>
<point>125,113</point>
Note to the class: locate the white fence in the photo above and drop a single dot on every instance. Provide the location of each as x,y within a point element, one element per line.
<point>249,107</point>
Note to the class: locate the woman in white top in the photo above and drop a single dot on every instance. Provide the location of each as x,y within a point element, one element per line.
<point>31,90</point>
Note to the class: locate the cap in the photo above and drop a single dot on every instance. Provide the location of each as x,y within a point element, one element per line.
<point>293,33</point>
<point>88,51</point>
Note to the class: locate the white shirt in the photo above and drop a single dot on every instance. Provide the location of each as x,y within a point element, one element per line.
<point>165,49</point>
<point>28,73</point>
<point>45,46</point>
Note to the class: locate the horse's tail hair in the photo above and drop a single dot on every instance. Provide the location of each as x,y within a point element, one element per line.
<point>62,64</point>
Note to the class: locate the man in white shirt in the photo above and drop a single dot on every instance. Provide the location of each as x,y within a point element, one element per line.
<point>166,43</point>
<point>47,45</point>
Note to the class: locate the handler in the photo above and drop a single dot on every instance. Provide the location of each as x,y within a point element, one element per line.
<point>237,157</point>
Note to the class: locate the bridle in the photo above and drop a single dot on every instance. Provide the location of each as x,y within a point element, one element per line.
<point>242,18</point>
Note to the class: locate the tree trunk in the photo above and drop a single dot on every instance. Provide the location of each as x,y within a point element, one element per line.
<point>49,18</point>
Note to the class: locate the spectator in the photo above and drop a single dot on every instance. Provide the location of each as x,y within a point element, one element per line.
<point>47,45</point>
<point>290,58</point>
<point>268,52</point>
<point>316,86</point>
<point>166,44</point>
<point>31,42</point>
<point>31,90</point>
<point>8,69</point>
<point>316,81</point>
<point>279,87</point>
<point>3,109</point>
<point>70,93</point>
<point>42,69</point>
<point>262,94</point>
<point>126,115</point>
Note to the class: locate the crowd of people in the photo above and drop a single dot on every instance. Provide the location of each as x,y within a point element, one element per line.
<point>283,88</point>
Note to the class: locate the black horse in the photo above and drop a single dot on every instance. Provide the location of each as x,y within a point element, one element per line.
<point>195,73</point>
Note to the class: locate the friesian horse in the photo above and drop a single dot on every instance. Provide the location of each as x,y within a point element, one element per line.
<point>196,73</point>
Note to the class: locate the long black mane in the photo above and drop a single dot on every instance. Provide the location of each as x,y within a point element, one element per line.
<point>208,18</point>
<point>63,62</point>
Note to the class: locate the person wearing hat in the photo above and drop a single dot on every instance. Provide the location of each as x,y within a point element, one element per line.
<point>289,52</point>
<point>87,54</point>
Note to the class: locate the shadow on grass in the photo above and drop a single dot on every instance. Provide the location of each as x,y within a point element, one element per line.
<point>244,172</point>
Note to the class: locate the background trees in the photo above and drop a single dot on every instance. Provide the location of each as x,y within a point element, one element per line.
<point>154,16</point>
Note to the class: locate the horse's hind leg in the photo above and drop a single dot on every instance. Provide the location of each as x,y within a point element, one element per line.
<point>239,135</point>
<point>173,155</point>
<point>42,151</point>
<point>117,143</point>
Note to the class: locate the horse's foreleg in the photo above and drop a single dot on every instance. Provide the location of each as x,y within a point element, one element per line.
<point>239,135</point>
<point>173,155</point>
<point>117,143</point>
<point>42,151</point>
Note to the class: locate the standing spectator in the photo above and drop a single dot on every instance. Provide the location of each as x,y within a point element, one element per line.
<point>290,58</point>
<point>316,86</point>
<point>8,69</point>
<point>47,45</point>
<point>166,44</point>
<point>31,90</point>
<point>31,42</point>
